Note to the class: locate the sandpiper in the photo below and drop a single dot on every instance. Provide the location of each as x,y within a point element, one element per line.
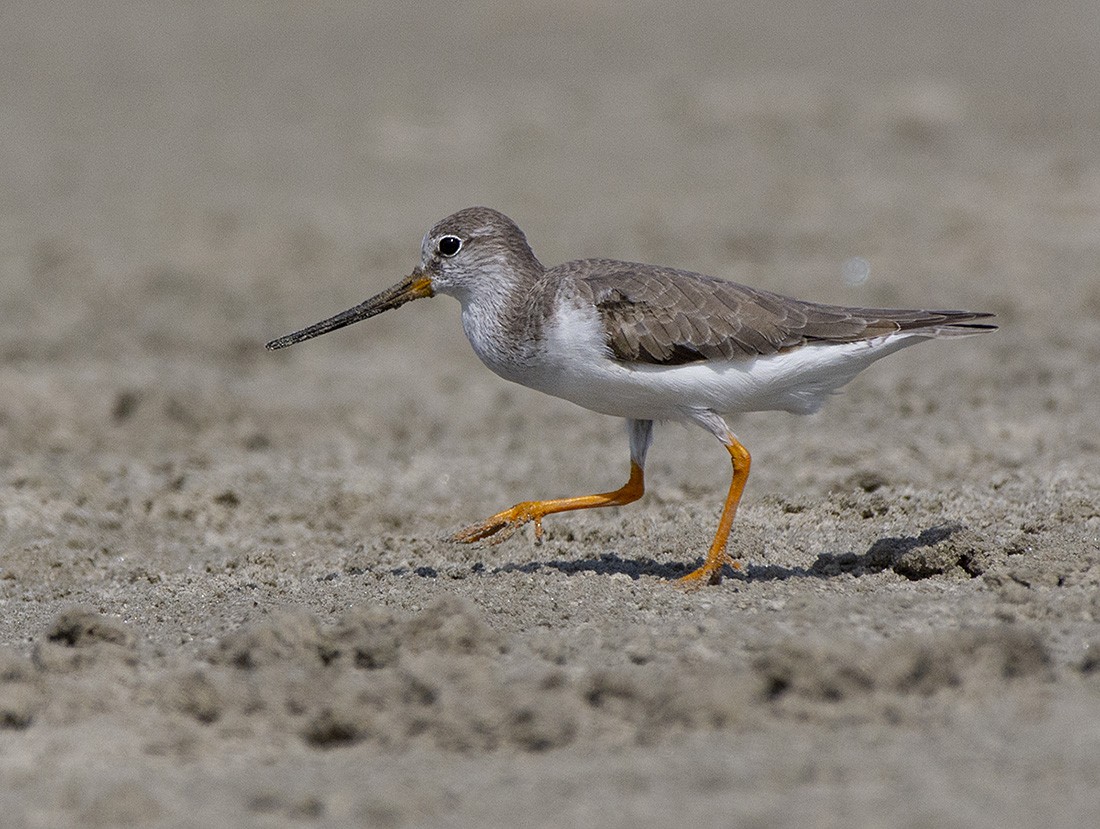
<point>645,343</point>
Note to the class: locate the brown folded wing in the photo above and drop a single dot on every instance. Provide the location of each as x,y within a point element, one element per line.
<point>669,317</point>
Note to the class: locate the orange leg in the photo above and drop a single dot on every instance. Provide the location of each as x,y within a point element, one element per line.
<point>717,557</point>
<point>504,523</point>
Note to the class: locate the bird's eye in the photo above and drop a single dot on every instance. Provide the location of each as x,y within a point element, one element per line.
<point>449,246</point>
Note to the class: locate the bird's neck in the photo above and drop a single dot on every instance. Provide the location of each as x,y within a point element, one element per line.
<point>504,321</point>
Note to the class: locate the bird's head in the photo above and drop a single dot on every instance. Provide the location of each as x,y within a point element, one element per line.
<point>466,254</point>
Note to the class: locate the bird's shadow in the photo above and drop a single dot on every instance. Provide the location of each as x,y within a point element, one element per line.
<point>883,554</point>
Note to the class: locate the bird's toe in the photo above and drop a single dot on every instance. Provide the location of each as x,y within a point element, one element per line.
<point>710,572</point>
<point>475,532</point>
<point>501,526</point>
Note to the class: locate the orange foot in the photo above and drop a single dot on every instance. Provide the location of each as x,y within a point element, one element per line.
<point>711,570</point>
<point>503,524</point>
<point>500,527</point>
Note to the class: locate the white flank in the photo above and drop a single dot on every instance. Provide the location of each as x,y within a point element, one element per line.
<point>576,366</point>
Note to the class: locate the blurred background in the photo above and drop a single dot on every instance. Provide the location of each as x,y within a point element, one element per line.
<point>712,135</point>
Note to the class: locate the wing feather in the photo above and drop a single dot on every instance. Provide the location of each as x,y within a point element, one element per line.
<point>664,316</point>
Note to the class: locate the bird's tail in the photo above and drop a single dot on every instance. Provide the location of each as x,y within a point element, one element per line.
<point>951,324</point>
<point>930,323</point>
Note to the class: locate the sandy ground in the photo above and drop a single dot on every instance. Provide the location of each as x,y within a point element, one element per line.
<point>226,594</point>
